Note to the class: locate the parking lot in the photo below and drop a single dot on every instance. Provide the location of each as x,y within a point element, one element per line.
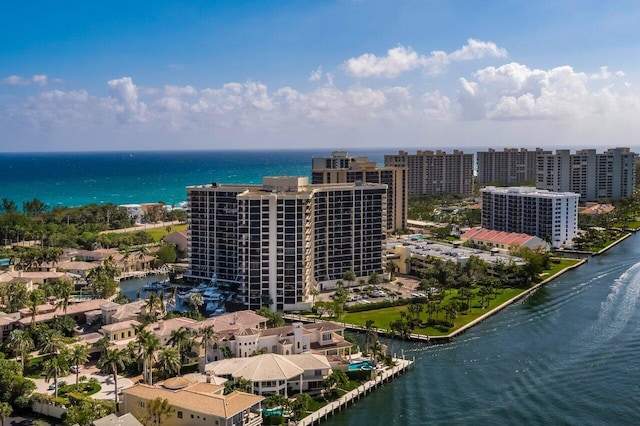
<point>379,292</point>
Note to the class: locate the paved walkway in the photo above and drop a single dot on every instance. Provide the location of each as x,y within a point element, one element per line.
<point>105,380</point>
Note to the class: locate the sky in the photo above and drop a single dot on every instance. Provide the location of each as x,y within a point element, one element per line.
<point>339,74</point>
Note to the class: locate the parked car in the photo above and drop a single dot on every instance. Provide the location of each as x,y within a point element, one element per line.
<point>75,369</point>
<point>52,386</point>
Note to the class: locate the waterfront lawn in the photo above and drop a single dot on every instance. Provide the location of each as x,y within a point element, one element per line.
<point>383,317</point>
<point>557,265</point>
<point>158,233</point>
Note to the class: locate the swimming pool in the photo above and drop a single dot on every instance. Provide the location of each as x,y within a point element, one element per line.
<point>270,412</point>
<point>362,365</point>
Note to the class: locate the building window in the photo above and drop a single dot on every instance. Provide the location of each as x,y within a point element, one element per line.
<point>141,404</point>
<point>179,414</point>
<point>192,416</point>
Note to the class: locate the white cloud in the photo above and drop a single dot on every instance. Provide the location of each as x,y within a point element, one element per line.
<point>316,74</point>
<point>39,79</point>
<point>398,60</point>
<point>15,80</point>
<point>605,74</point>
<point>476,49</point>
<point>514,92</point>
<point>124,100</point>
<point>436,105</point>
<point>179,91</point>
<point>401,59</point>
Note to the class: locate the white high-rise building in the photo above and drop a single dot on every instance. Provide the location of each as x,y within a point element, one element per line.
<point>552,216</point>
<point>594,176</point>
<point>277,241</point>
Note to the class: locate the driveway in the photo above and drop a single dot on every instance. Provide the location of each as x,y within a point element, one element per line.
<point>105,380</point>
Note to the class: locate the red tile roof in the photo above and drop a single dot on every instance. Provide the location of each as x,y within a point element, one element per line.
<point>496,237</point>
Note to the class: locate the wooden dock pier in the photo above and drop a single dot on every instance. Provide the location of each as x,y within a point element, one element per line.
<point>384,376</point>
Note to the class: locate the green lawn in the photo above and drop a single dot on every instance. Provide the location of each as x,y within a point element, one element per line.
<point>383,317</point>
<point>158,233</point>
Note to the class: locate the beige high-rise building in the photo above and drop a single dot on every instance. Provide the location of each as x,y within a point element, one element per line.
<point>594,176</point>
<point>435,172</point>
<point>359,169</point>
<point>277,241</point>
<point>508,167</point>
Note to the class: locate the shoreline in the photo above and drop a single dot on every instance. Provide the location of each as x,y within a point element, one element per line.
<point>447,338</point>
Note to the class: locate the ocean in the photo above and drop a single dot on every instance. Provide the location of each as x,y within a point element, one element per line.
<point>75,179</point>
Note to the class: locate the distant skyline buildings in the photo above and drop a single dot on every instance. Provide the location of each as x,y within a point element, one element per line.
<point>607,175</point>
<point>509,166</point>
<point>436,172</point>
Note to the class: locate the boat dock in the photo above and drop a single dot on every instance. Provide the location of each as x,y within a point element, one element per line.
<point>384,376</point>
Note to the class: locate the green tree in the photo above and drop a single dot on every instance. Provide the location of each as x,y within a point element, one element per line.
<point>63,291</point>
<point>14,388</point>
<point>208,336</point>
<point>182,340</point>
<point>238,384</point>
<point>391,267</point>
<point>20,344</point>
<point>5,411</point>
<point>51,343</point>
<point>54,368</point>
<point>300,406</point>
<point>166,254</point>
<point>78,356</point>
<point>34,207</point>
<point>147,345</point>
<point>274,319</point>
<point>112,362</point>
<point>196,300</point>
<point>169,361</point>
<point>349,276</point>
<point>8,206</point>
<point>158,410</point>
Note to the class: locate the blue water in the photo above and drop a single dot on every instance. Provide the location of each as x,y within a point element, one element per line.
<point>74,179</point>
<point>567,355</point>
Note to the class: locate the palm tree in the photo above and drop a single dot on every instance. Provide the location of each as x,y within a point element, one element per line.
<point>147,345</point>
<point>196,300</point>
<point>209,336</point>
<point>371,335</point>
<point>349,276</point>
<point>112,362</point>
<point>54,368</point>
<point>169,362</point>
<point>314,293</point>
<point>392,268</point>
<point>158,410</point>
<point>181,339</point>
<point>20,343</point>
<point>78,356</point>
<point>51,343</point>
<point>63,292</point>
<point>33,304</point>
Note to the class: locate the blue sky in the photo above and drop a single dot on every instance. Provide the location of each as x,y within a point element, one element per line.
<point>306,74</point>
